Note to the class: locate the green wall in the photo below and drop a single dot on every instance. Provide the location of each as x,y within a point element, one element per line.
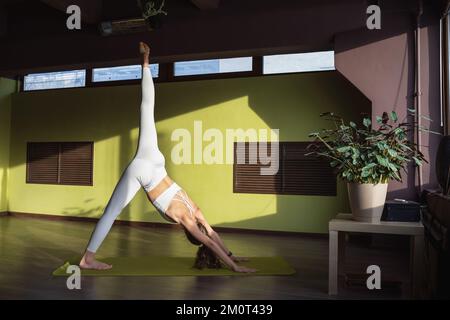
<point>110,116</point>
<point>7,87</point>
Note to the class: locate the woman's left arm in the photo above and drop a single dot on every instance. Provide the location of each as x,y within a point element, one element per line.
<point>215,237</point>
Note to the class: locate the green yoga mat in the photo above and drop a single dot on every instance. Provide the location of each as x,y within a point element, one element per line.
<point>178,266</point>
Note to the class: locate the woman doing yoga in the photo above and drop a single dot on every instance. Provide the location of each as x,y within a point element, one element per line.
<point>147,170</point>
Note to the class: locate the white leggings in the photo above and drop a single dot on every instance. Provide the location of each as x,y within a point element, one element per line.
<point>146,169</point>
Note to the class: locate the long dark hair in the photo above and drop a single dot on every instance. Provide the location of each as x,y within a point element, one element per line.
<point>205,258</point>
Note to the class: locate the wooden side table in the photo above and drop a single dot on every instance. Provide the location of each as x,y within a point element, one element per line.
<point>344,223</point>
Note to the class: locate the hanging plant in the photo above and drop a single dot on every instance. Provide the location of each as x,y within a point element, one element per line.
<point>153,12</point>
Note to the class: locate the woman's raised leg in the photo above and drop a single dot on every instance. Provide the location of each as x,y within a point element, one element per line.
<point>148,139</point>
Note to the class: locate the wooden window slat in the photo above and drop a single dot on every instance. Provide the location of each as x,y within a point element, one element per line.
<point>76,163</point>
<point>297,174</point>
<point>42,162</point>
<point>67,163</point>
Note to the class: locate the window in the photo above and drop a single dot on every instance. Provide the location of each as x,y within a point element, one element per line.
<point>67,163</point>
<point>298,62</point>
<point>55,80</point>
<point>297,174</point>
<point>199,67</point>
<point>184,70</point>
<point>122,73</point>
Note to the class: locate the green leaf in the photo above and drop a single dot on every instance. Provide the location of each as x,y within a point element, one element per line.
<point>365,173</point>
<point>352,124</point>
<point>383,161</point>
<point>401,135</point>
<point>369,166</point>
<point>394,116</point>
<point>343,149</point>
<point>417,161</point>
<point>381,145</point>
<point>367,122</point>
<point>393,167</point>
<point>397,176</point>
<point>392,153</point>
<point>407,148</point>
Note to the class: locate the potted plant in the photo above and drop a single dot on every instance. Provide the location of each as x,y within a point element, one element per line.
<point>367,159</point>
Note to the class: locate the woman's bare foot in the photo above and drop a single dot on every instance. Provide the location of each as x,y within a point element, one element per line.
<point>144,49</point>
<point>89,262</point>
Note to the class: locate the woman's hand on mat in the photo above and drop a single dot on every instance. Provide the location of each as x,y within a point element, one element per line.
<point>238,259</point>
<point>244,269</point>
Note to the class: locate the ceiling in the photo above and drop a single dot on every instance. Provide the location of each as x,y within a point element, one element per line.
<point>34,36</point>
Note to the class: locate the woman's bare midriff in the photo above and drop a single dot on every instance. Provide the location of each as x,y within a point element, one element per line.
<point>160,188</point>
<point>176,209</point>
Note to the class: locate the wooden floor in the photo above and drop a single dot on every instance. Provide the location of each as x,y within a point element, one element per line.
<point>30,249</point>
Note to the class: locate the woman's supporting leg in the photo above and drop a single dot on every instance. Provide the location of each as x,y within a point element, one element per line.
<point>123,193</point>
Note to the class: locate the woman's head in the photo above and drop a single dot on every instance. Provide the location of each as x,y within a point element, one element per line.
<point>205,256</point>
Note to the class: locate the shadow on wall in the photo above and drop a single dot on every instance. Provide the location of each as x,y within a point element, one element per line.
<point>63,110</point>
<point>123,102</point>
<point>3,198</point>
<point>320,91</point>
<point>397,18</point>
<point>400,105</point>
<point>301,98</point>
<point>371,59</point>
<point>317,91</point>
<point>430,141</point>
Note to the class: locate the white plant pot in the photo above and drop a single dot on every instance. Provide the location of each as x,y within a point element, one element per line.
<point>367,200</point>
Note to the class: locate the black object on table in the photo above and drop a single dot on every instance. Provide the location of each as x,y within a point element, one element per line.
<point>401,210</point>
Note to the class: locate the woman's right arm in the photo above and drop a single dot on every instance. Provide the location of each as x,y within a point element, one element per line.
<point>191,226</point>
